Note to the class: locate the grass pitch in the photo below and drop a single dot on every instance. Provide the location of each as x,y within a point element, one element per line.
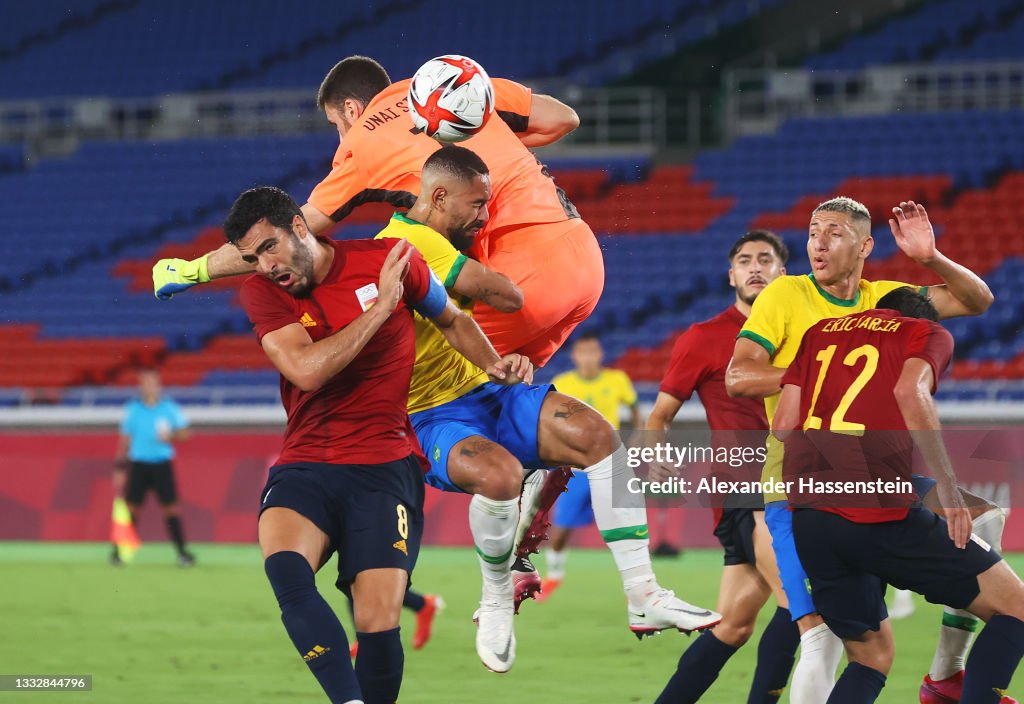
<point>152,632</point>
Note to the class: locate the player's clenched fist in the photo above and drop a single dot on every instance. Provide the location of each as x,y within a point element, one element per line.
<point>171,276</point>
<point>392,274</point>
<point>511,369</point>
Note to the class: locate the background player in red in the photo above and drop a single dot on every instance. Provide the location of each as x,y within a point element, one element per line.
<point>699,360</point>
<point>855,388</point>
<point>535,235</point>
<point>335,319</point>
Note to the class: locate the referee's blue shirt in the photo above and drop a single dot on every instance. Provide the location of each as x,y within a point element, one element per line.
<point>142,425</point>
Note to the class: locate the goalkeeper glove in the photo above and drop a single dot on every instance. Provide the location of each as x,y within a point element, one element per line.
<point>171,276</point>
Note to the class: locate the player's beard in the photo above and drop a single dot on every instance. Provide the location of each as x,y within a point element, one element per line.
<point>462,238</point>
<point>748,294</point>
<point>302,269</point>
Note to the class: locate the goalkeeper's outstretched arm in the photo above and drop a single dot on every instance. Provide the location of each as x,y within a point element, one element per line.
<point>171,276</point>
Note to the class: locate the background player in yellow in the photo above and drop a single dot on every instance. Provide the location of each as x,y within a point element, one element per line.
<point>607,391</point>
<point>838,243</point>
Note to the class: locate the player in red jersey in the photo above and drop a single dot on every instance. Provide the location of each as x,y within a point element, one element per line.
<point>838,243</point>
<point>699,360</point>
<point>335,318</point>
<point>856,402</point>
<point>535,235</point>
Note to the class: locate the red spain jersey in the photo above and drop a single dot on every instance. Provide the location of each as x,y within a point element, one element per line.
<point>846,369</point>
<point>382,155</point>
<point>700,358</point>
<point>359,416</point>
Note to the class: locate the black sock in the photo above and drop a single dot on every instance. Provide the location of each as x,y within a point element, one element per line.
<point>698,668</point>
<point>414,601</point>
<point>776,652</point>
<point>379,666</point>
<point>312,626</point>
<point>857,685</point>
<point>174,530</point>
<point>993,660</point>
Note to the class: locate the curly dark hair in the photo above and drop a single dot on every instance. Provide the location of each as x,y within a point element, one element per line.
<point>253,205</point>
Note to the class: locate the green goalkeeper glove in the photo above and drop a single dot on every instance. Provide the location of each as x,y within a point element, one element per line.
<point>170,276</point>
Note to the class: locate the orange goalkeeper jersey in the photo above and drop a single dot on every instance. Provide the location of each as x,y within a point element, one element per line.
<point>382,155</point>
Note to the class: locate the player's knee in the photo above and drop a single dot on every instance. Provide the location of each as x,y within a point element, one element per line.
<point>734,633</point>
<point>878,655</point>
<point>290,576</point>
<point>374,613</point>
<point>501,482</point>
<point>1001,592</point>
<point>879,660</point>
<point>592,437</point>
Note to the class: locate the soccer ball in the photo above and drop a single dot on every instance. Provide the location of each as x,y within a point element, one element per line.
<point>451,98</point>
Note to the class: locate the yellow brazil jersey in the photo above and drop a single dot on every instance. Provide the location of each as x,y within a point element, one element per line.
<point>780,316</point>
<point>606,392</point>
<point>440,374</point>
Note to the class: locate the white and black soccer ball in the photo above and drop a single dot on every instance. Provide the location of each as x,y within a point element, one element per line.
<point>451,98</point>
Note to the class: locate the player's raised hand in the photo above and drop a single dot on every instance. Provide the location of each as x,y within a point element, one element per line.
<point>392,274</point>
<point>913,231</point>
<point>511,369</point>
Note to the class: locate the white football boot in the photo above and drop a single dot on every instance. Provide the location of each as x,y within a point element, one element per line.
<point>659,609</point>
<point>495,636</point>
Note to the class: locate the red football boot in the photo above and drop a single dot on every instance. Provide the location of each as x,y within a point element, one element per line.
<point>425,620</point>
<point>525,581</point>
<point>554,486</point>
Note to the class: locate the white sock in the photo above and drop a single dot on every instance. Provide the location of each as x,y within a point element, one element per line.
<point>555,560</point>
<point>621,516</point>
<point>529,503</point>
<point>955,637</point>
<point>493,525</point>
<point>815,672</point>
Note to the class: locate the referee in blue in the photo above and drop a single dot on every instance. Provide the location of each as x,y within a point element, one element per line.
<point>150,425</point>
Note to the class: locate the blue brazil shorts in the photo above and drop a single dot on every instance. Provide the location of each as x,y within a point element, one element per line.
<point>507,415</point>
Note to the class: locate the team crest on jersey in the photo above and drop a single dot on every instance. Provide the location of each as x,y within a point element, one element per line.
<point>437,453</point>
<point>367,296</point>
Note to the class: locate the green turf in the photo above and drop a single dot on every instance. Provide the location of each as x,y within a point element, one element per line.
<point>152,632</point>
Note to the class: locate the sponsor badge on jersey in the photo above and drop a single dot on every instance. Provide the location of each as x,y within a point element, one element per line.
<point>367,296</point>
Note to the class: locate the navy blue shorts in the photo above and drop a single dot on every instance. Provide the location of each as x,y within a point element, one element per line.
<point>372,513</point>
<point>506,415</point>
<point>794,578</point>
<point>849,564</point>
<point>736,534</point>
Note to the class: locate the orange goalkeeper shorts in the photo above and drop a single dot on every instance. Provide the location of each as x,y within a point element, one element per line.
<point>560,270</point>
